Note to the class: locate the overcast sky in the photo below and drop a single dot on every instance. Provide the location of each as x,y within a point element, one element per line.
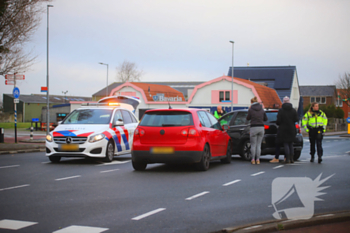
<point>186,40</point>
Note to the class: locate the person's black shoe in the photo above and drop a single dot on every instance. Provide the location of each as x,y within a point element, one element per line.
<point>286,161</point>
<point>319,160</point>
<point>312,159</point>
<point>292,161</point>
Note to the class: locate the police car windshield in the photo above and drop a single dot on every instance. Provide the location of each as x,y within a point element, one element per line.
<point>89,116</point>
<point>167,119</point>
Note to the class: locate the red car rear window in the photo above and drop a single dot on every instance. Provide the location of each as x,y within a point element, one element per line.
<point>167,119</point>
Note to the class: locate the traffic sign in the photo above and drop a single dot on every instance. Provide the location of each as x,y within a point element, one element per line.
<point>43,89</point>
<point>16,92</point>
<point>16,101</point>
<point>348,119</point>
<point>12,76</point>
<point>9,82</point>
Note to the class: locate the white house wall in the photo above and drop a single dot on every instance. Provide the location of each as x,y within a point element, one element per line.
<point>203,95</point>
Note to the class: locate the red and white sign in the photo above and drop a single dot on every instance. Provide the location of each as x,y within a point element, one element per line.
<point>9,82</point>
<point>12,76</point>
<point>43,89</point>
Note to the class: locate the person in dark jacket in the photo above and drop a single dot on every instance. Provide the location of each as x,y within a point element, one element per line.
<point>286,118</point>
<point>257,116</point>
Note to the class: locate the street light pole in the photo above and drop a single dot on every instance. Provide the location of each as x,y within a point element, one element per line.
<point>47,76</point>
<point>65,92</point>
<point>107,76</point>
<point>232,42</point>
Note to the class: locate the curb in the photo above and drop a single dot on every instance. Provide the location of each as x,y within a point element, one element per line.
<point>277,225</point>
<point>22,151</point>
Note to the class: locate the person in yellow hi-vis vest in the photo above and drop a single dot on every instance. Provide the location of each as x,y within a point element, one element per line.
<point>315,123</point>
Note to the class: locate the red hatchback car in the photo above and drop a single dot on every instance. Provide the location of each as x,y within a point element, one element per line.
<point>180,136</point>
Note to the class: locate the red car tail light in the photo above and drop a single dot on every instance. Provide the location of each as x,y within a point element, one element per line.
<point>192,132</point>
<point>139,132</point>
<point>184,132</point>
<point>266,126</point>
<point>297,126</point>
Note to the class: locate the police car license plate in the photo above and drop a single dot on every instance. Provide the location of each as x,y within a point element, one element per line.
<point>162,150</point>
<point>69,147</point>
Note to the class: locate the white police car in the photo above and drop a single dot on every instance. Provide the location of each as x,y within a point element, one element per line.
<point>100,130</point>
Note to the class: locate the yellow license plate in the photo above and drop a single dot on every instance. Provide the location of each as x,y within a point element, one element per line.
<point>69,147</point>
<point>162,150</point>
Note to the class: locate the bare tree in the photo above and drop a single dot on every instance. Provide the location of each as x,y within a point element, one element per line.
<point>18,21</point>
<point>128,72</point>
<point>343,84</point>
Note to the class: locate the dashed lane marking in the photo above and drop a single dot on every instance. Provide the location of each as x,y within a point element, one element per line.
<point>278,166</point>
<point>113,163</point>
<point>256,174</point>
<point>197,195</point>
<point>148,214</point>
<point>9,166</point>
<point>109,171</point>
<point>66,178</point>
<point>232,182</point>
<point>15,224</point>
<point>81,229</point>
<point>15,187</point>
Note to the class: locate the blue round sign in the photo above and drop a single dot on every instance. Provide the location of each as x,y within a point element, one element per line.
<point>16,92</point>
<point>348,119</point>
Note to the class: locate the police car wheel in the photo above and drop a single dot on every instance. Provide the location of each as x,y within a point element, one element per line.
<point>139,166</point>
<point>55,159</point>
<point>109,152</point>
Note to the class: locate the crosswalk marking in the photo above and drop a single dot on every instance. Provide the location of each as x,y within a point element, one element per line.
<point>15,224</point>
<point>81,229</point>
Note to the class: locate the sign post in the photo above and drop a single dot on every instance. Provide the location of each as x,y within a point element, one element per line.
<point>16,94</point>
<point>348,120</point>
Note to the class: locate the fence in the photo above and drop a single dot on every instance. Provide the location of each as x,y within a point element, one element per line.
<point>336,124</point>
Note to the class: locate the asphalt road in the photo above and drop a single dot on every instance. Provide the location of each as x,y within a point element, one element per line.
<point>80,195</point>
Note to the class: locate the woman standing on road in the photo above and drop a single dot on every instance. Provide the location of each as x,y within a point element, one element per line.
<point>257,116</point>
<point>315,123</point>
<point>286,118</point>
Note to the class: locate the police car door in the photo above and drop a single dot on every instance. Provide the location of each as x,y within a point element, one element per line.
<point>130,124</point>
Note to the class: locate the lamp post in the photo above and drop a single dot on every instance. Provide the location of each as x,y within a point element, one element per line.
<point>47,76</point>
<point>232,42</point>
<point>107,76</point>
<point>65,92</point>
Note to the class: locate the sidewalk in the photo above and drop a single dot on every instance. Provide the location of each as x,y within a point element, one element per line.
<point>24,143</point>
<point>324,223</point>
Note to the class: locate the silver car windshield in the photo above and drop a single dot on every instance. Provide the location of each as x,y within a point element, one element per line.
<point>89,116</point>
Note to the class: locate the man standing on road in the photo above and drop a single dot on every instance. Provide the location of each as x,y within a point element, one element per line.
<point>315,123</point>
<point>219,112</point>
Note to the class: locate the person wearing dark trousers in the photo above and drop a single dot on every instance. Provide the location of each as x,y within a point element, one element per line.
<point>315,123</point>
<point>286,118</point>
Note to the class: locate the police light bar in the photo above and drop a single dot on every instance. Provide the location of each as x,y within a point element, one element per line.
<point>113,104</point>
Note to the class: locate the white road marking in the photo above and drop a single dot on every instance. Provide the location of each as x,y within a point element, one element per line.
<point>81,229</point>
<point>256,174</point>
<point>66,178</point>
<point>10,166</point>
<point>253,227</point>
<point>278,166</point>
<point>109,171</point>
<point>232,182</point>
<point>15,187</point>
<point>148,214</point>
<point>15,224</point>
<point>328,141</point>
<point>197,195</point>
<point>46,162</point>
<point>113,163</point>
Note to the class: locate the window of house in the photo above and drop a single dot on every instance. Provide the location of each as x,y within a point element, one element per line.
<point>227,95</point>
<point>221,96</point>
<point>318,99</point>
